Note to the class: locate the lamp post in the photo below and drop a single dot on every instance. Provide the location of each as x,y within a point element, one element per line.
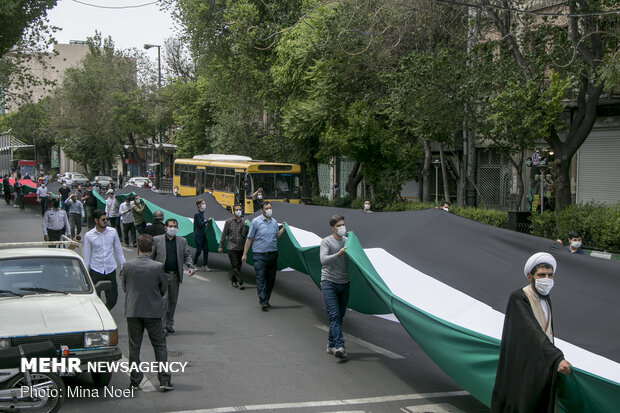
<point>436,162</point>
<point>148,46</point>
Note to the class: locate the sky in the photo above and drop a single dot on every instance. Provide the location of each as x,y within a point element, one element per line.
<point>128,27</point>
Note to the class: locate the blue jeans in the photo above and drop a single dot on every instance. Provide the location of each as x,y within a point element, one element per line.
<point>265,265</point>
<point>336,297</point>
<point>201,246</point>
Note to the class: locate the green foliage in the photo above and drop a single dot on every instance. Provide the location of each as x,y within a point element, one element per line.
<point>17,16</point>
<point>598,224</point>
<point>486,216</point>
<point>98,106</point>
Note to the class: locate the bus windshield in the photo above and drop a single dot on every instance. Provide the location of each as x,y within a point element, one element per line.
<point>277,185</point>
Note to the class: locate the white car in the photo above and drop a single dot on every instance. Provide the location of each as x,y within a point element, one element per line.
<point>47,294</point>
<point>140,181</point>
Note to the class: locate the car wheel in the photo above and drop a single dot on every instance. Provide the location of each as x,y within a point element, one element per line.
<point>101,379</point>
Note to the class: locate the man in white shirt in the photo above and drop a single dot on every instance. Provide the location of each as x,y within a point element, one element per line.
<point>55,223</point>
<point>127,220</point>
<point>42,198</point>
<point>101,245</point>
<point>111,210</point>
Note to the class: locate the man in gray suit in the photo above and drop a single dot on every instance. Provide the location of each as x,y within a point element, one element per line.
<point>145,284</point>
<point>172,251</point>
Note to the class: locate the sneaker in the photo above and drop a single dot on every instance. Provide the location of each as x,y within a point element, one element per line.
<point>264,306</point>
<point>170,330</point>
<point>235,285</point>
<point>206,269</point>
<point>268,305</point>
<point>134,386</point>
<point>340,353</point>
<point>330,350</point>
<point>241,287</point>
<point>166,386</point>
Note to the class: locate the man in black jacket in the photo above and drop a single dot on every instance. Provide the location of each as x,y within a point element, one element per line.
<point>158,227</point>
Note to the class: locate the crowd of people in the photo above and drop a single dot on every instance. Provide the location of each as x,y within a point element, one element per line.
<point>152,281</point>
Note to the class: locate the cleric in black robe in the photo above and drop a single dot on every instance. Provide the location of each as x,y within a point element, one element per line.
<point>529,362</point>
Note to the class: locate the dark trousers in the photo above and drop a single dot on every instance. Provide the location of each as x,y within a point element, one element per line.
<point>135,332</point>
<point>54,235</point>
<point>130,227</point>
<point>235,263</point>
<point>7,197</point>
<point>201,246</point>
<point>140,228</point>
<point>336,297</point>
<point>170,299</point>
<point>90,219</point>
<point>20,200</point>
<point>111,293</point>
<point>115,222</point>
<point>265,265</point>
<point>75,223</point>
<point>43,205</point>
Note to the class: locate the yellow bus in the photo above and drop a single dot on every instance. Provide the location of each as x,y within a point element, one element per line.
<point>233,179</point>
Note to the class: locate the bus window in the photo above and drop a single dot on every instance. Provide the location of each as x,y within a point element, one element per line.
<point>277,185</point>
<point>219,183</point>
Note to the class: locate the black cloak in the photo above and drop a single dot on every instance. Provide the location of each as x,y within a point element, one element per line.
<point>528,362</point>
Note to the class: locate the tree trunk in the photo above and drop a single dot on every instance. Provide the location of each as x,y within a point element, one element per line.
<point>353,180</point>
<point>426,173</point>
<point>520,184</point>
<point>444,174</point>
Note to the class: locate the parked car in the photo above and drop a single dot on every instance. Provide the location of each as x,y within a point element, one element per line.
<point>76,178</point>
<point>140,181</point>
<point>105,182</point>
<point>47,295</point>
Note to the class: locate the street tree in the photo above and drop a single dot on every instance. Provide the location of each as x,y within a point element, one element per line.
<point>578,40</point>
<point>85,118</point>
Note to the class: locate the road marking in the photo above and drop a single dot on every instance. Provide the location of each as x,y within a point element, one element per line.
<point>366,344</point>
<point>324,403</point>
<point>432,408</point>
<point>146,385</point>
<point>200,277</point>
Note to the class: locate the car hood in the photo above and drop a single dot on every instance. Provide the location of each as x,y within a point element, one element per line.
<point>53,314</point>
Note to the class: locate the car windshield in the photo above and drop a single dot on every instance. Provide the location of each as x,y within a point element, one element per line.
<point>79,176</point>
<point>28,276</point>
<point>277,185</point>
<point>103,178</point>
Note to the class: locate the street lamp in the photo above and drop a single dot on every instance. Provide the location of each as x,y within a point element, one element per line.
<point>148,46</point>
<point>436,162</point>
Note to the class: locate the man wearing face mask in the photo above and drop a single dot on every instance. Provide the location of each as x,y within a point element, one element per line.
<point>529,362</point>
<point>173,252</point>
<point>257,199</point>
<point>64,192</point>
<point>127,220</point>
<point>367,206</point>
<point>335,283</point>
<point>42,197</point>
<point>200,237</point>
<point>574,243</point>
<point>264,234</point>
<point>235,231</point>
<point>445,206</point>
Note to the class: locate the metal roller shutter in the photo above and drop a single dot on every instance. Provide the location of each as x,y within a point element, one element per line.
<point>598,168</point>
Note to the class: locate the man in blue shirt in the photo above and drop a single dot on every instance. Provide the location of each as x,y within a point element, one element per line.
<point>264,234</point>
<point>200,237</point>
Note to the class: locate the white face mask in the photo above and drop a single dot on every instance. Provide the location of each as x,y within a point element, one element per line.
<point>176,190</point>
<point>366,207</point>
<point>268,213</point>
<point>238,213</point>
<point>259,196</point>
<point>446,209</point>
<point>544,285</point>
<point>171,231</point>
<point>203,207</point>
<point>342,231</point>
<point>64,185</point>
<point>575,244</point>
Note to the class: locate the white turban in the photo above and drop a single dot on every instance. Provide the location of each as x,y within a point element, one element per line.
<point>539,258</point>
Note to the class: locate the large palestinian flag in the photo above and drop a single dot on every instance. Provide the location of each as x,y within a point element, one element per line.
<point>447,280</point>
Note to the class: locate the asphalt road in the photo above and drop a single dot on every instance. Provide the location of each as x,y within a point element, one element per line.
<point>242,359</point>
